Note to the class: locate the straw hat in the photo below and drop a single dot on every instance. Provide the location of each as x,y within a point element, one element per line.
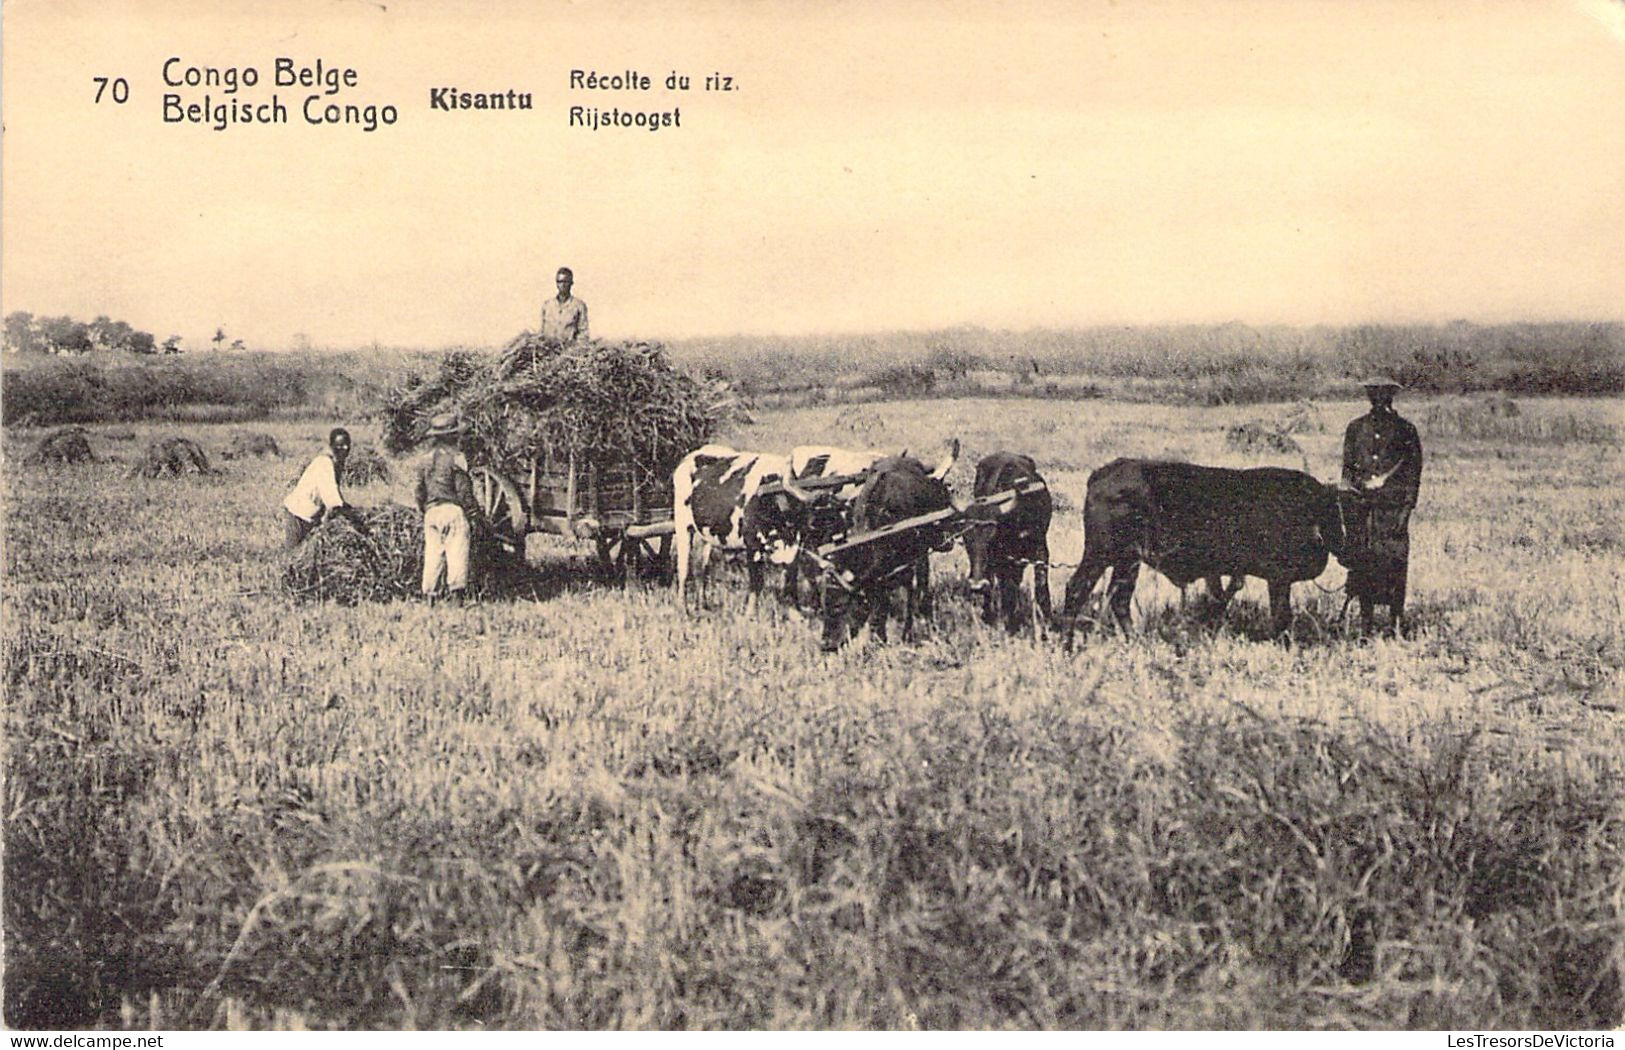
<point>443,424</point>
<point>1382,383</point>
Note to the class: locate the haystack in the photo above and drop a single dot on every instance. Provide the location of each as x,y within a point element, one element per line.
<point>171,457</point>
<point>67,445</point>
<point>543,400</point>
<point>251,444</point>
<point>364,466</point>
<point>1258,439</point>
<point>338,563</point>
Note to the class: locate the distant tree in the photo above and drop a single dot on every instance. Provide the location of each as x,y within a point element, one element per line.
<point>22,334</point>
<point>142,343</point>
<point>301,341</point>
<point>64,335</point>
<point>219,338</point>
<point>237,344</point>
<point>172,345</point>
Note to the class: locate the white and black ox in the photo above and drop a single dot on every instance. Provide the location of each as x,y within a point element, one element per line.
<point>718,505</point>
<point>1192,523</point>
<point>895,489</point>
<point>1002,540</point>
<point>827,516</point>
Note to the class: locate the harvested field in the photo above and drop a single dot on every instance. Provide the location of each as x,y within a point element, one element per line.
<point>171,457</point>
<point>579,807</point>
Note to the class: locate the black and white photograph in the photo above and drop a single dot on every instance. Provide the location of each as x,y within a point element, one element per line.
<point>768,515</point>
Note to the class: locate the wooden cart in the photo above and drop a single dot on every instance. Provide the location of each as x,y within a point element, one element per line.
<point>624,508</point>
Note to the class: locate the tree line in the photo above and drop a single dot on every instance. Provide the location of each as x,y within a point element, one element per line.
<point>27,334</point>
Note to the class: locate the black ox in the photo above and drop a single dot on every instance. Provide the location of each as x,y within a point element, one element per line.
<point>1191,523</point>
<point>897,488</point>
<point>1002,541</point>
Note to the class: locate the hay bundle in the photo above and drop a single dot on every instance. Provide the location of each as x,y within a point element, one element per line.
<point>540,399</point>
<point>338,563</point>
<point>171,457</point>
<point>1257,439</point>
<point>68,445</point>
<point>251,444</point>
<point>364,466</point>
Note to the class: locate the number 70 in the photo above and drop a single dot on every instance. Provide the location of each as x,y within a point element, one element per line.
<point>121,88</point>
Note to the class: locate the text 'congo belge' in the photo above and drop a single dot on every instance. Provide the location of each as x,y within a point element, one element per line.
<point>321,107</point>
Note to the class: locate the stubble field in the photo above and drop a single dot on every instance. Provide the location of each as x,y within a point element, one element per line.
<point>571,806</point>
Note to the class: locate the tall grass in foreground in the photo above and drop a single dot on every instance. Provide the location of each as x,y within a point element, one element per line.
<point>594,811</point>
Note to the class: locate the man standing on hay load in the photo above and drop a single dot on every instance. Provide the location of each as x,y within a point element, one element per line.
<point>316,494</point>
<point>564,317</point>
<point>1382,463</point>
<point>445,495</point>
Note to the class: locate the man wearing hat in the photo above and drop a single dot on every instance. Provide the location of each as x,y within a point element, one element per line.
<point>564,317</point>
<point>445,494</point>
<point>1382,462</point>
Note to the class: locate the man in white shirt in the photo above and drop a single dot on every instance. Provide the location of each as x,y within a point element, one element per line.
<point>317,491</point>
<point>564,317</point>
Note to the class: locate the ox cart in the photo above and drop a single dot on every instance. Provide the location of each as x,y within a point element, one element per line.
<point>622,507</point>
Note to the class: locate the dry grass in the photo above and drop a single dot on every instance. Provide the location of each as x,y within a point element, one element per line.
<point>594,811</point>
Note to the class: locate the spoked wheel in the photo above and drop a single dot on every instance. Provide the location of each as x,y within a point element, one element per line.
<point>503,506</point>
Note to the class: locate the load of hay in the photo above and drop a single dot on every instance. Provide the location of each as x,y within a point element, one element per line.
<point>251,444</point>
<point>338,563</point>
<point>543,400</point>
<point>171,457</point>
<point>67,445</point>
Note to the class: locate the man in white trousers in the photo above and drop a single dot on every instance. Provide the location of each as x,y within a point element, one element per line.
<point>445,494</point>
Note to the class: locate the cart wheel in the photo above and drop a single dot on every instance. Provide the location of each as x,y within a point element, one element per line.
<point>503,506</point>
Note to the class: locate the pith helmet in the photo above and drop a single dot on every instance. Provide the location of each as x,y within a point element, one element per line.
<point>1380,382</point>
<point>443,424</point>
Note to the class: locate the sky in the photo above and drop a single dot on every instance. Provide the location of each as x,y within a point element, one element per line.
<point>877,167</point>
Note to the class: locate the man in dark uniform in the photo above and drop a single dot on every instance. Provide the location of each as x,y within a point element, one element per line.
<point>1382,462</point>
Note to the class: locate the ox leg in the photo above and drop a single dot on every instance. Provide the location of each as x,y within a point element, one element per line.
<point>684,540</point>
<point>1280,606</point>
<point>879,612</point>
<point>1009,584</point>
<point>920,589</point>
<point>1040,590</point>
<point>791,594</point>
<point>836,602</point>
<point>1078,589</point>
<point>1365,614</point>
<point>1120,594</point>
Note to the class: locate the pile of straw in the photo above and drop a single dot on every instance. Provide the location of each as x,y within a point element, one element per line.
<point>337,563</point>
<point>1259,439</point>
<point>171,457</point>
<point>68,445</point>
<point>540,399</point>
<point>251,444</point>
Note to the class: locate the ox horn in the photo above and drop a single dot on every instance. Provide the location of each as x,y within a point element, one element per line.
<point>947,462</point>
